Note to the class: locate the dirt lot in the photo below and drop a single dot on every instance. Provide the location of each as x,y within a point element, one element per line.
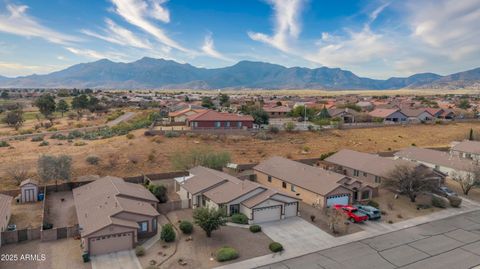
<point>60,209</point>
<point>59,254</point>
<point>125,157</point>
<point>198,252</point>
<point>27,215</point>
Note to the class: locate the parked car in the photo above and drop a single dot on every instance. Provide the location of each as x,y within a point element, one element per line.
<point>445,191</point>
<point>354,215</point>
<point>371,212</point>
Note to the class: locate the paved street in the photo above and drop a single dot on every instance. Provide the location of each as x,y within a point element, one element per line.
<point>449,243</point>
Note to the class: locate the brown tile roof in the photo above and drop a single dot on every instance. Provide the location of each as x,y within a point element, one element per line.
<point>229,191</point>
<point>435,157</point>
<point>205,178</point>
<point>183,111</point>
<point>257,199</point>
<point>382,112</point>
<point>365,162</point>
<point>284,109</point>
<point>411,112</point>
<point>210,115</point>
<point>5,209</point>
<point>98,202</point>
<point>305,176</point>
<point>468,146</point>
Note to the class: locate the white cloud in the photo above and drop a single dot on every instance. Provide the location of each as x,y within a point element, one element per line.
<point>16,69</point>
<point>138,12</point>
<point>450,27</point>
<point>97,55</point>
<point>119,35</point>
<point>287,25</point>
<point>17,22</point>
<point>209,49</point>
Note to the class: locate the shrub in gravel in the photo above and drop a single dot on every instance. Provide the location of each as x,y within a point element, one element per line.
<point>455,201</point>
<point>186,227</point>
<point>239,218</point>
<point>167,234</point>
<point>438,202</point>
<point>139,251</point>
<point>226,254</point>
<point>275,247</point>
<point>255,228</point>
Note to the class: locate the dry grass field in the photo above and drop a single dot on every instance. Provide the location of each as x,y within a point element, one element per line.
<point>127,157</point>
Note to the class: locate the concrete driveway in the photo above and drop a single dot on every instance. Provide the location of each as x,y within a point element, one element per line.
<point>118,260</point>
<point>296,234</point>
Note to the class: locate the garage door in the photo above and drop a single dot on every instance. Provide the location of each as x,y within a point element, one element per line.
<point>291,209</point>
<point>111,243</point>
<point>265,214</point>
<point>341,199</point>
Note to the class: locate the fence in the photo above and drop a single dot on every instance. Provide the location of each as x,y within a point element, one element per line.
<point>11,237</point>
<point>173,205</point>
<point>232,131</point>
<point>59,233</point>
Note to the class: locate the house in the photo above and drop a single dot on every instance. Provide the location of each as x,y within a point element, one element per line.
<point>113,214</point>
<point>438,160</point>
<point>313,185</point>
<point>277,111</point>
<point>388,115</point>
<point>417,114</point>
<point>28,191</point>
<point>181,116</point>
<point>435,112</point>
<point>212,119</point>
<point>365,105</point>
<point>5,212</point>
<point>205,187</point>
<point>466,149</point>
<point>447,114</point>
<point>346,114</point>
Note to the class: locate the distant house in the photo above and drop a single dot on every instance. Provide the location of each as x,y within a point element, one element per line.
<point>277,111</point>
<point>205,187</point>
<point>467,149</point>
<point>213,119</point>
<point>441,113</point>
<point>313,185</point>
<point>5,212</point>
<point>113,215</point>
<point>28,191</point>
<point>417,114</point>
<point>347,115</point>
<point>182,115</point>
<point>435,112</point>
<point>388,115</point>
<point>365,105</point>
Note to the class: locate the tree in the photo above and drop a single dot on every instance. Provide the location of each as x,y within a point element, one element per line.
<point>464,104</point>
<point>207,102</point>
<point>4,95</point>
<point>337,221</point>
<point>324,114</point>
<point>52,167</point>
<point>259,116</point>
<point>93,104</point>
<point>14,118</point>
<point>182,160</point>
<point>224,100</point>
<point>80,102</point>
<point>468,179</point>
<point>209,219</point>
<point>410,180</point>
<point>17,172</point>
<point>62,106</point>
<point>46,105</point>
<point>159,191</point>
<point>299,111</point>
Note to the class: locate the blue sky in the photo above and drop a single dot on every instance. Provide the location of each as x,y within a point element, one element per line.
<point>375,38</point>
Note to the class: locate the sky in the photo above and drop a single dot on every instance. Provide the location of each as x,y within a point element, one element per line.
<point>372,38</point>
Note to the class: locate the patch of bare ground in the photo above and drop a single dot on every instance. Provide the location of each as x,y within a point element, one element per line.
<point>28,215</point>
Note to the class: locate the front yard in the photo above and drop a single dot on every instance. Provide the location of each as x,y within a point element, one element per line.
<point>199,251</point>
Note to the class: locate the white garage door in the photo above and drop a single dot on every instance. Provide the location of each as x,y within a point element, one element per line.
<point>265,214</point>
<point>291,209</point>
<point>111,243</point>
<point>341,199</point>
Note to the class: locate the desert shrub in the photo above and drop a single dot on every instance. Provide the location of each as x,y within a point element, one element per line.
<point>240,218</point>
<point>289,126</point>
<point>159,191</point>
<point>438,202</point>
<point>226,254</point>
<point>273,129</point>
<point>25,131</point>
<point>79,144</point>
<point>43,144</point>
<point>186,227</point>
<point>204,156</point>
<point>326,155</point>
<point>275,247</point>
<point>47,125</point>
<point>191,135</point>
<point>4,144</point>
<point>263,136</point>
<point>255,228</point>
<point>115,115</point>
<point>75,134</point>
<point>167,234</point>
<point>37,138</point>
<point>139,251</point>
<point>455,201</point>
<point>52,129</point>
<point>373,203</point>
<point>93,159</point>
<point>59,137</point>
<point>171,134</point>
<point>130,136</point>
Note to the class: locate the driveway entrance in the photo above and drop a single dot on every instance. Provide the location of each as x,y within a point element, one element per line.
<point>118,260</point>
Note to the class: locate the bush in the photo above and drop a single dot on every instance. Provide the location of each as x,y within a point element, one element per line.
<point>93,160</point>
<point>455,201</point>
<point>79,144</point>
<point>289,126</point>
<point>59,137</point>
<point>263,136</point>
<point>438,202</point>
<point>240,218</point>
<point>130,136</point>
<point>255,228</point>
<point>273,129</point>
<point>186,227</point>
<point>373,203</point>
<point>275,247</point>
<point>43,144</point>
<point>37,138</point>
<point>167,234</point>
<point>139,251</point>
<point>326,155</point>
<point>4,144</point>
<point>171,134</point>
<point>226,254</point>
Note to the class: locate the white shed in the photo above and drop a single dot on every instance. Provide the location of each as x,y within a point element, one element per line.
<point>28,191</point>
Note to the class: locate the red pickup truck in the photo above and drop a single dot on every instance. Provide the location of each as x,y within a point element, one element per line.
<point>352,212</point>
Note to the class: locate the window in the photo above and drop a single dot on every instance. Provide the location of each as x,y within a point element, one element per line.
<point>269,179</point>
<point>154,224</point>
<point>218,124</point>
<point>292,188</point>
<point>356,173</point>
<point>143,226</point>
<point>234,209</point>
<point>377,179</point>
<point>284,185</point>
<point>227,124</point>
<point>365,195</point>
<point>239,124</point>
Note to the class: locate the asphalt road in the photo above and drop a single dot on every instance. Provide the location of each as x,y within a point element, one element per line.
<point>448,243</point>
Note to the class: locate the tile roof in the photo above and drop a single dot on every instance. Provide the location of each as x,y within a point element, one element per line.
<point>468,146</point>
<point>435,157</point>
<point>382,112</point>
<point>210,115</point>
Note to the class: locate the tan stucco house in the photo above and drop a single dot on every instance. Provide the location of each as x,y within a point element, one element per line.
<point>5,212</point>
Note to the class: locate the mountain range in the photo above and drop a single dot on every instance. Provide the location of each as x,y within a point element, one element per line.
<point>149,73</point>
